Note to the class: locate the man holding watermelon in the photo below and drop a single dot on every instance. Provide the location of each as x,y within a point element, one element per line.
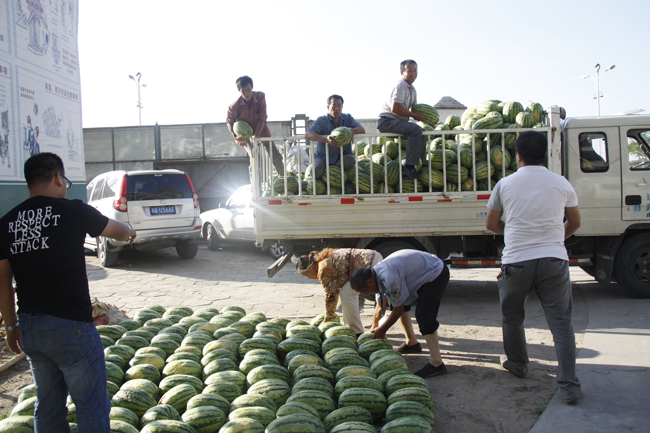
<point>395,115</point>
<point>404,277</point>
<point>322,128</point>
<point>250,107</point>
<point>535,203</point>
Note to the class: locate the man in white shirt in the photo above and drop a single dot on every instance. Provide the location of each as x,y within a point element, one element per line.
<point>534,203</point>
<point>395,114</point>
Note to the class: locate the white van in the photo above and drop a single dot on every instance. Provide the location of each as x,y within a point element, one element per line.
<point>160,205</point>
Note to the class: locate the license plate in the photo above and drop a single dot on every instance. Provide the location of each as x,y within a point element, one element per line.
<point>163,210</point>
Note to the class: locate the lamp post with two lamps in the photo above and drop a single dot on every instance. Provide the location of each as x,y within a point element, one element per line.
<point>137,82</point>
<point>598,94</point>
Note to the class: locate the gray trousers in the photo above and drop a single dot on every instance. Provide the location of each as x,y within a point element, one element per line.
<point>549,278</point>
<point>319,165</point>
<point>416,143</point>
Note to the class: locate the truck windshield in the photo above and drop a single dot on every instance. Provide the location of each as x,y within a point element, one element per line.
<point>638,146</point>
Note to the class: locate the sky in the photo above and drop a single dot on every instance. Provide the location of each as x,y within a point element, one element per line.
<point>190,53</point>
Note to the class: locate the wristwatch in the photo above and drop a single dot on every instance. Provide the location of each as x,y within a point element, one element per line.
<point>12,327</point>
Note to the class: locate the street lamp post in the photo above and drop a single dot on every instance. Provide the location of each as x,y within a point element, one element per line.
<point>598,94</point>
<point>137,82</point>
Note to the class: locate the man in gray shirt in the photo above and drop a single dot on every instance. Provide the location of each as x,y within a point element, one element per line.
<point>395,115</point>
<point>404,277</point>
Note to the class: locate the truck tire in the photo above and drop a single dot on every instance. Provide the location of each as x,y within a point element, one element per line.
<point>212,237</point>
<point>187,250</point>
<point>388,248</point>
<point>276,250</point>
<point>632,265</point>
<point>106,258</point>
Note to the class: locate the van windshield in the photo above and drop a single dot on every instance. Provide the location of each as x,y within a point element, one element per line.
<point>157,187</point>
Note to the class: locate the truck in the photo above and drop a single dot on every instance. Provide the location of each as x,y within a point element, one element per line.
<point>606,159</point>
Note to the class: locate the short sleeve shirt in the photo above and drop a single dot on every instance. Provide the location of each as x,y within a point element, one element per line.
<point>400,275</point>
<point>43,240</point>
<point>324,125</point>
<point>402,93</point>
<point>533,200</point>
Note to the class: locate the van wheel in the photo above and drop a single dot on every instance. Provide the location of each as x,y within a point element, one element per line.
<point>187,250</point>
<point>633,265</point>
<point>212,237</point>
<point>106,258</point>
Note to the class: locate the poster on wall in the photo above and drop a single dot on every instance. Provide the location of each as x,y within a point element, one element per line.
<point>40,94</point>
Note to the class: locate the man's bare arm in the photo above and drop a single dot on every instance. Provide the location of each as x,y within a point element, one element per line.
<point>399,109</point>
<point>572,222</point>
<point>494,222</point>
<point>119,231</point>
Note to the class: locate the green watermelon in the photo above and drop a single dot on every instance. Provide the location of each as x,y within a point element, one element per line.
<point>243,130</point>
<point>342,135</point>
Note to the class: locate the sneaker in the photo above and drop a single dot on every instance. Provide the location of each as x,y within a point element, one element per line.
<point>572,398</point>
<point>431,371</point>
<point>415,348</point>
<point>410,171</point>
<point>510,366</point>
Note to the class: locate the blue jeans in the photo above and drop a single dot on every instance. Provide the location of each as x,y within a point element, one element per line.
<point>416,143</point>
<point>549,278</point>
<point>66,356</point>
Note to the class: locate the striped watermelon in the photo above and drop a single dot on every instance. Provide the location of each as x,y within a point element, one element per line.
<point>411,424</point>
<point>357,382</point>
<point>296,407</point>
<point>205,419</point>
<point>392,149</point>
<point>135,399</point>
<point>180,356</point>
<point>340,351</point>
<point>298,423</point>
<point>289,356</point>
<point>452,121</point>
<point>392,172</point>
<point>222,364</point>
<point>416,394</point>
<point>347,414</point>
<point>242,425</point>
<point>305,371</point>
<point>525,120</point>
<point>178,379</point>
<point>536,110</point>
<point>235,377</point>
<point>252,399</point>
<point>184,366</point>
<point>337,341</point>
<point>323,403</point>
<point>342,135</point>
<point>510,111</point>
<point>311,359</point>
<point>119,426</point>
<point>114,373</point>
<point>178,397</point>
<point>292,185</point>
<point>488,122</point>
<point>430,115</point>
<point>276,389</point>
<point>358,148</point>
<point>482,170</point>
<point>143,371</point>
<point>214,400</point>
<point>370,346</point>
<point>242,130</point>
<point>354,427</point>
<point>145,385</point>
<point>251,362</point>
<point>354,371</point>
<point>470,112</point>
<point>373,149</point>
<point>405,381</point>
<point>148,358</point>
<point>228,390</point>
<point>487,106</point>
<point>452,174</point>
<point>338,362</point>
<point>168,345</point>
<point>260,414</point>
<point>403,409</point>
<point>499,158</point>
<point>129,324</point>
<point>168,426</point>
<point>24,408</point>
<point>294,343</point>
<point>125,415</point>
<point>335,177</point>
<point>313,384</point>
<point>370,399</point>
<point>267,372</point>
<point>158,413</point>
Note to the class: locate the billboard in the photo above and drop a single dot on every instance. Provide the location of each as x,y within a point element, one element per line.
<point>40,93</point>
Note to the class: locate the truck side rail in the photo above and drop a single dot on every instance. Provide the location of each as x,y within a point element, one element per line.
<point>446,165</point>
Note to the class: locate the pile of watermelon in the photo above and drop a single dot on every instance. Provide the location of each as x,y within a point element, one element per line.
<point>210,371</point>
<point>452,157</point>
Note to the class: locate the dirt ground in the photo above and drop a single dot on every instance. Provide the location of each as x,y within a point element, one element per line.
<point>477,394</point>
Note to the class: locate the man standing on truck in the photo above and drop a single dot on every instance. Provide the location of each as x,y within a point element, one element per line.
<point>250,107</point>
<point>322,128</point>
<point>395,115</point>
<point>404,277</point>
<point>41,245</point>
<point>534,203</point>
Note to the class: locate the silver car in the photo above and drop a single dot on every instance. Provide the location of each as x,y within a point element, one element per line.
<point>233,220</point>
<point>160,205</point>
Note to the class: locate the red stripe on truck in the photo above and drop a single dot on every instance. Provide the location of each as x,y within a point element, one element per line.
<point>483,196</point>
<point>275,202</point>
<point>347,201</point>
<point>415,198</point>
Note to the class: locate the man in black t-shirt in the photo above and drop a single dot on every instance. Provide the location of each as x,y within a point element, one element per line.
<point>41,246</point>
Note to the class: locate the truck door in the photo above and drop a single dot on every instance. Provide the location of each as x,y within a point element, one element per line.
<point>635,173</point>
<point>592,167</point>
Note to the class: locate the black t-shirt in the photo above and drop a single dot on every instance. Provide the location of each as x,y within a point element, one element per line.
<point>43,239</point>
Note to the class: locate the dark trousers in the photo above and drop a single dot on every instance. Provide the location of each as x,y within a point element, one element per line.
<point>428,303</point>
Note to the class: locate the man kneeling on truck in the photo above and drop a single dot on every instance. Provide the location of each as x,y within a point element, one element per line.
<point>322,128</point>
<point>402,278</point>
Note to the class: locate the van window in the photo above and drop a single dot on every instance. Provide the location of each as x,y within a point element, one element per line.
<point>97,192</point>
<point>638,149</point>
<point>593,152</point>
<point>157,187</point>
<point>113,183</point>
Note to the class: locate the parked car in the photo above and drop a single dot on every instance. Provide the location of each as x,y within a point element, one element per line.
<point>160,205</point>
<point>233,220</point>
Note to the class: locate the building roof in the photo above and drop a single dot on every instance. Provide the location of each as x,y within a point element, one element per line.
<point>449,103</point>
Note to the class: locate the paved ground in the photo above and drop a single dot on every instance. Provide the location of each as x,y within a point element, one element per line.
<point>613,358</point>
